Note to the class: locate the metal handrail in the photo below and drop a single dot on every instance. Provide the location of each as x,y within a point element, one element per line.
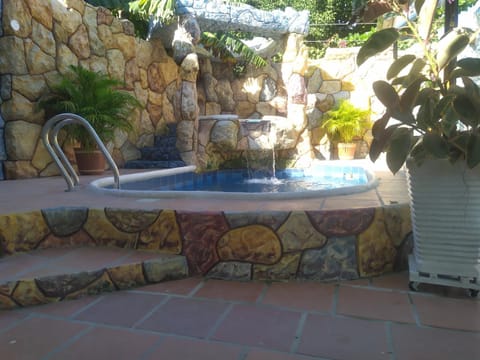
<point>50,135</point>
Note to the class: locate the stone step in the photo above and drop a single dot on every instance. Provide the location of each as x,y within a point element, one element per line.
<point>150,164</point>
<point>49,275</point>
<point>158,153</point>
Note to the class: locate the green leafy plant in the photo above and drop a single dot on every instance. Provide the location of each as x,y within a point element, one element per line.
<point>433,101</point>
<point>347,122</point>
<point>95,97</point>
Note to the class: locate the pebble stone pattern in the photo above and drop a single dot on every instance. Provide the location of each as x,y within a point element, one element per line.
<point>243,246</point>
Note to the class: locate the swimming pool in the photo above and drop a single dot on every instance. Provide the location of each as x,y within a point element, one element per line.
<point>326,178</point>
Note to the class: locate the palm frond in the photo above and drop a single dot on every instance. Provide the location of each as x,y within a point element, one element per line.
<point>227,46</point>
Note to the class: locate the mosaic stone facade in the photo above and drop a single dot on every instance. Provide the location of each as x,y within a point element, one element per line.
<point>320,245</point>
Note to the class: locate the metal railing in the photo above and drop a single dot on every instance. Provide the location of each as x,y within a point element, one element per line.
<point>50,137</point>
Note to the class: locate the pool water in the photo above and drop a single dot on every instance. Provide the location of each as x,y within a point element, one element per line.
<point>243,181</point>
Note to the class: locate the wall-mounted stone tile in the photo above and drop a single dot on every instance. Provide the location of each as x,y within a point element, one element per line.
<point>165,268</point>
<point>164,234</point>
<point>231,270</point>
<point>376,251</point>
<point>127,276</point>
<point>6,302</point>
<point>201,232</point>
<point>80,238</point>
<point>42,12</point>
<point>297,233</point>
<point>285,269</point>
<point>335,261</point>
<point>131,220</point>
<point>254,243</point>
<point>22,232</point>
<point>101,284</point>
<point>27,293</point>
<point>398,222</point>
<point>64,221</point>
<point>272,219</point>
<point>104,233</point>
<point>341,222</point>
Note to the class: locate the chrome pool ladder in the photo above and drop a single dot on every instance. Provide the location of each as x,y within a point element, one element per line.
<point>50,137</point>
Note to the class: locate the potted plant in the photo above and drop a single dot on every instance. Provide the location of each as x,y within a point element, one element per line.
<point>95,97</point>
<point>345,124</point>
<point>432,124</point>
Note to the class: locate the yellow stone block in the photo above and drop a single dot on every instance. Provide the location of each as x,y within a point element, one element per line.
<point>298,233</point>
<point>27,293</point>
<point>127,276</point>
<point>376,251</point>
<point>22,232</point>
<point>105,233</point>
<point>164,234</point>
<point>253,243</point>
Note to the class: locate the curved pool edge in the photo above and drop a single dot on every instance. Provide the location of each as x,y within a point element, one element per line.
<point>99,185</point>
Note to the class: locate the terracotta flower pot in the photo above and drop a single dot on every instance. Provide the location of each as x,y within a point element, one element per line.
<point>90,162</point>
<point>346,151</point>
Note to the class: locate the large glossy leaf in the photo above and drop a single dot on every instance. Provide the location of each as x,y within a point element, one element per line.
<point>435,144</point>
<point>399,64</point>
<point>450,46</point>
<point>473,151</point>
<point>466,67</point>
<point>409,96</point>
<point>415,73</point>
<point>381,142</point>
<point>466,110</point>
<point>376,43</point>
<point>386,94</point>
<point>418,152</point>
<point>399,148</point>
<point>379,126</point>
<point>426,12</point>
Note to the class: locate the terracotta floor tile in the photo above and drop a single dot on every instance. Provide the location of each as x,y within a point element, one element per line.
<point>179,287</point>
<point>397,281</point>
<point>414,343</point>
<point>357,282</point>
<point>47,270</point>
<point>36,337</point>
<point>301,295</point>
<point>103,343</point>
<point>259,326</point>
<point>137,256</point>
<point>191,317</point>
<point>9,317</point>
<point>463,314</point>
<point>187,349</point>
<point>12,267</point>
<point>230,290</point>
<point>270,355</point>
<point>121,308</point>
<point>342,339</point>
<point>63,308</point>
<point>374,304</point>
<point>89,258</point>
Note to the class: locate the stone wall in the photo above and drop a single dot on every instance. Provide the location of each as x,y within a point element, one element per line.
<point>265,94</point>
<point>308,245</point>
<point>3,153</point>
<point>40,40</point>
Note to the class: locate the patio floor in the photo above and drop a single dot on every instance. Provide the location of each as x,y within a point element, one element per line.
<point>195,318</point>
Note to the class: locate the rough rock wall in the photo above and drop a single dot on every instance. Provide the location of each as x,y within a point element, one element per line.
<point>3,154</point>
<point>280,90</point>
<point>40,40</point>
